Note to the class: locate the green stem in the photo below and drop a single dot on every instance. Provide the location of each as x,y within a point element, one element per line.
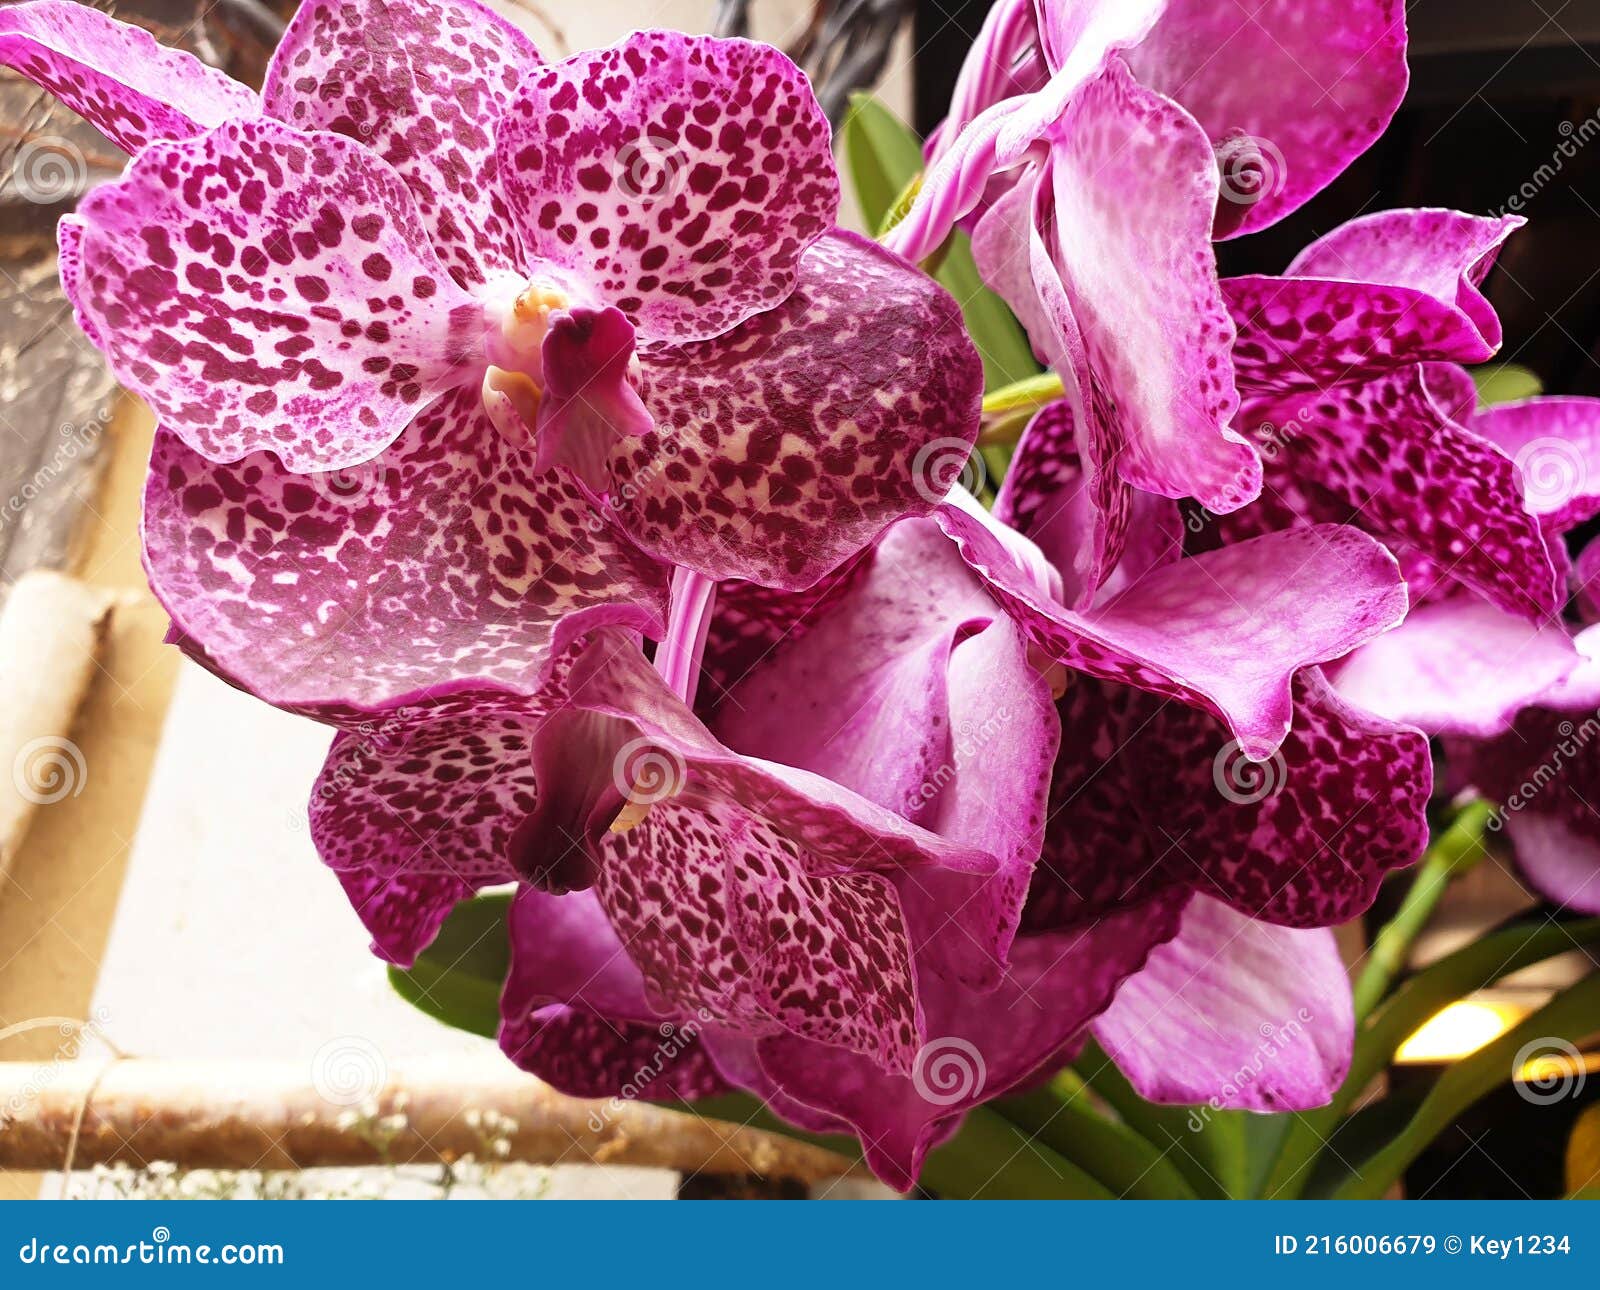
<point>1058,1116</point>
<point>1455,851</point>
<point>1025,395</point>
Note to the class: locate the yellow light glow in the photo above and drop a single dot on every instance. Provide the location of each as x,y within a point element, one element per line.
<point>1458,1029</point>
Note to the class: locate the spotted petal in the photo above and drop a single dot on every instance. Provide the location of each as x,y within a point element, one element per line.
<point>1234,1013</point>
<point>1290,93</point>
<point>423,84</point>
<point>335,593</point>
<point>783,447</point>
<point>1377,293</point>
<point>1382,456</point>
<point>1224,631</point>
<point>575,1014</point>
<point>1153,797</point>
<point>917,693</point>
<point>268,289</point>
<point>116,76</point>
<point>660,171</point>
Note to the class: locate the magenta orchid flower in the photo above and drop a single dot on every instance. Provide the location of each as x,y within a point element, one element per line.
<point>538,333</point>
<point>1090,138</point>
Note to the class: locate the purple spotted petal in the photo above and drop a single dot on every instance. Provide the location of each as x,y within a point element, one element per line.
<point>442,558</point>
<point>1151,797</point>
<point>433,788</point>
<point>422,83</point>
<point>116,76</point>
<point>1459,666</point>
<point>1382,456</point>
<point>268,289</point>
<point>682,176</point>
<point>1235,1013</point>
<point>1134,186</point>
<point>1556,445</point>
<point>1290,93</point>
<point>575,1012</point>
<point>1224,631</point>
<point>761,894</point>
<point>1377,293</point>
<point>403,911</point>
<point>979,1045</point>
<point>784,446</point>
<point>1544,773</point>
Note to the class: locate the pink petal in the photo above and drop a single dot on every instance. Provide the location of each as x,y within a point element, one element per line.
<point>785,446</point>
<point>589,403</point>
<point>762,894</point>
<point>1379,292</point>
<point>423,84</point>
<point>267,289</point>
<point>443,558</point>
<point>1459,666</point>
<point>1310,85</point>
<point>1382,456</point>
<point>660,171</point>
<point>1555,443</point>
<point>1224,631</point>
<point>115,76</point>
<point>1134,189</point>
<point>1234,1014</point>
<point>892,695</point>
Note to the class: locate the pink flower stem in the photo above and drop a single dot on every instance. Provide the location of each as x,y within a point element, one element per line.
<point>694,596</point>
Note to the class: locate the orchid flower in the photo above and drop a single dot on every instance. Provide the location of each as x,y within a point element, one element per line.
<point>443,335</point>
<point>1089,137</point>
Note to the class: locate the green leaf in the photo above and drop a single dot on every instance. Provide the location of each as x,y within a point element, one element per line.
<point>1112,1153</point>
<point>1207,1146</point>
<point>991,1159</point>
<point>1453,977</point>
<point>881,154</point>
<point>457,979</point>
<point>1505,383</point>
<point>1571,1012</point>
